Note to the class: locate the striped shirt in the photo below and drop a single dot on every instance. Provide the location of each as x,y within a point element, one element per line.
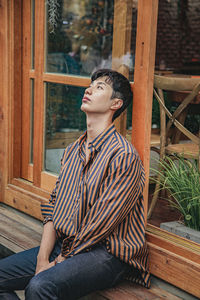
<point>101,200</point>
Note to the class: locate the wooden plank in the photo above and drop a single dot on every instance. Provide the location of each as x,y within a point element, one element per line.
<point>18,231</point>
<point>38,147</point>
<point>178,245</point>
<point>66,79</point>
<point>10,87</point>
<point>26,220</point>
<point>10,228</point>
<point>26,89</point>
<point>175,269</point>
<point>8,246</point>
<point>143,293</point>
<point>28,187</point>
<point>174,83</point>
<point>163,294</point>
<point>115,294</point>
<point>48,181</point>
<point>32,74</point>
<point>143,82</point>
<point>15,87</point>
<point>24,201</point>
<point>122,28</point>
<point>127,290</point>
<point>30,172</point>
<point>4,94</point>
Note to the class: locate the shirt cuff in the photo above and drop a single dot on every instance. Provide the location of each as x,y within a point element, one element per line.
<point>47,219</point>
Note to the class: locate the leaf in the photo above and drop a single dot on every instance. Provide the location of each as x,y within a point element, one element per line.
<point>188,217</point>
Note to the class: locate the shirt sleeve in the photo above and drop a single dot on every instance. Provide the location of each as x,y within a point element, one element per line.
<point>123,186</point>
<point>47,207</point>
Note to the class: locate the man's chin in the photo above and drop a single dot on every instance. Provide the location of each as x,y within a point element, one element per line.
<point>83,107</point>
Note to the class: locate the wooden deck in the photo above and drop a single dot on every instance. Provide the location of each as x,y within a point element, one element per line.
<point>19,231</point>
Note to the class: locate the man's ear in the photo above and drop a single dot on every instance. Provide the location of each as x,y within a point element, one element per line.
<point>117,104</point>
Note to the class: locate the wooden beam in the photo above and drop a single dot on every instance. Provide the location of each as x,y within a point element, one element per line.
<point>122,29</point>
<point>26,97</point>
<point>15,86</point>
<point>174,269</point>
<point>4,94</point>
<point>38,148</point>
<point>143,82</point>
<point>24,201</point>
<point>64,79</point>
<point>175,83</point>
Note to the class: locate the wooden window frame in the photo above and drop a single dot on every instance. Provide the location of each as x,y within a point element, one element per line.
<point>171,258</point>
<point>121,27</point>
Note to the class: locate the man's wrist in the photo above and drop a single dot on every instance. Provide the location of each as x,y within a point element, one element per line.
<point>42,257</point>
<point>47,219</point>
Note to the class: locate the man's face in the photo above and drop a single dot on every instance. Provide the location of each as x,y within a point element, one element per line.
<point>97,97</point>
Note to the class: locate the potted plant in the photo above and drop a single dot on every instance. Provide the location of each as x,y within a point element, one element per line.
<point>181,179</point>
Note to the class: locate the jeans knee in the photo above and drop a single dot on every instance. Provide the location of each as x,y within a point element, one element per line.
<point>34,286</point>
<point>40,289</point>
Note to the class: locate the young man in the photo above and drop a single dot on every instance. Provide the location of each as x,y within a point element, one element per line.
<point>94,232</point>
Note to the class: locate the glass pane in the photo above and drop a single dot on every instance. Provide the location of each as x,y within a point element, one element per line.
<point>79,36</point>
<point>64,121</point>
<point>129,61</point>
<point>177,54</point>
<point>32,121</point>
<point>32,33</point>
<point>177,47</point>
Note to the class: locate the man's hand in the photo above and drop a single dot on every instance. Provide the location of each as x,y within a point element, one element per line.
<point>46,247</point>
<point>59,259</point>
<point>43,265</point>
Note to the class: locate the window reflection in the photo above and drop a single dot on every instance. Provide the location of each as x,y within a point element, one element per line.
<point>32,121</point>
<point>79,38</point>
<point>65,122</point>
<point>177,55</point>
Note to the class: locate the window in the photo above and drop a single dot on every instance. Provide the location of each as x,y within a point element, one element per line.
<point>63,43</point>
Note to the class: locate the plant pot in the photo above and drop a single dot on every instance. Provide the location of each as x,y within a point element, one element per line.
<point>181,230</point>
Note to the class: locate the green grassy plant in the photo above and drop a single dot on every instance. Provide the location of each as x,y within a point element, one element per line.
<point>181,178</point>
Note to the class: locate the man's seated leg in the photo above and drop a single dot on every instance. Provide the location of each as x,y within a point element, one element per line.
<point>77,276</point>
<point>17,270</point>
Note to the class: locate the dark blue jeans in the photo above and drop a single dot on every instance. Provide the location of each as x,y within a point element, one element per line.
<point>75,277</point>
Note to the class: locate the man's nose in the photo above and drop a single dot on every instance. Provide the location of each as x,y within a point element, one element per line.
<point>88,90</point>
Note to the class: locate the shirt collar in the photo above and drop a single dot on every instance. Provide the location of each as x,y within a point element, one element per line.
<point>100,139</point>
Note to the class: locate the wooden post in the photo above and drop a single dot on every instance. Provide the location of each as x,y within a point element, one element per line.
<point>26,99</point>
<point>143,82</point>
<point>15,85</point>
<point>121,45</point>
<point>4,95</point>
<point>38,148</point>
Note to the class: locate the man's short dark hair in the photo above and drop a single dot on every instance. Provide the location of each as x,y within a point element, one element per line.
<point>120,85</point>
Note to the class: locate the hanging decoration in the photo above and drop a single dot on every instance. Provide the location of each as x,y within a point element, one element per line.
<point>53,14</point>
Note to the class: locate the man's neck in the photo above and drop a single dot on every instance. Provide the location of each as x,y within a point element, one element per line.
<point>95,126</point>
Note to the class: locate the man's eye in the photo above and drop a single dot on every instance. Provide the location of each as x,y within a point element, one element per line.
<point>99,87</point>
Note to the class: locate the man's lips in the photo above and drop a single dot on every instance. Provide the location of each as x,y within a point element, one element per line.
<point>85,99</point>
